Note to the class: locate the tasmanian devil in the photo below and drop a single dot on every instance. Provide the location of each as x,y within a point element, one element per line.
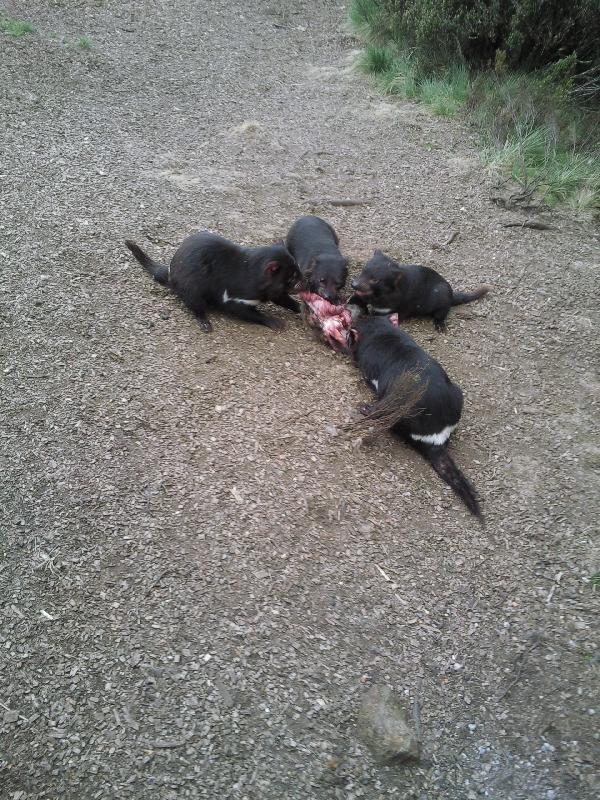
<point>408,289</point>
<point>314,245</point>
<point>394,364</point>
<point>210,271</point>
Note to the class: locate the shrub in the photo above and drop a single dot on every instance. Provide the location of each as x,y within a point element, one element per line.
<point>532,33</point>
<point>452,55</point>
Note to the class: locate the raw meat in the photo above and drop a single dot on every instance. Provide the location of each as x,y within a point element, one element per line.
<point>334,322</point>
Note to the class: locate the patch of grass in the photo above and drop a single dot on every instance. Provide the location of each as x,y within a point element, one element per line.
<point>15,27</point>
<point>365,16</point>
<point>399,78</point>
<point>84,43</point>
<point>376,59</point>
<point>534,159</point>
<point>395,73</point>
<point>525,147</point>
<point>448,93</point>
<point>539,136</point>
<point>595,580</point>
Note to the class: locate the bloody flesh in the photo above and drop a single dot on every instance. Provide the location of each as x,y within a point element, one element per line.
<point>334,322</point>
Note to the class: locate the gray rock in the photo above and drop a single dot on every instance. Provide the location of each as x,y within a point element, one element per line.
<point>383,727</point>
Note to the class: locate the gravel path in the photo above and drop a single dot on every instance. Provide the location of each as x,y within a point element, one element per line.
<point>199,579</point>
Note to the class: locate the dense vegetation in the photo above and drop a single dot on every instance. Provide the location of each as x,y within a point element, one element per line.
<point>532,33</point>
<point>526,71</point>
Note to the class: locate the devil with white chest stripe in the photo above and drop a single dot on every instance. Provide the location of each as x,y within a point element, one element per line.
<point>408,290</point>
<point>208,271</point>
<point>384,354</point>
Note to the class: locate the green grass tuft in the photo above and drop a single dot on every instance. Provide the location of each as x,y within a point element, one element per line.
<point>446,94</point>
<point>15,27</point>
<point>399,78</point>
<point>376,59</point>
<point>365,16</point>
<point>84,43</point>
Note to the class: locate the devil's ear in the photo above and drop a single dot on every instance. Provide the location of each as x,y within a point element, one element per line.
<point>279,242</point>
<point>271,267</point>
<point>377,253</point>
<point>399,278</point>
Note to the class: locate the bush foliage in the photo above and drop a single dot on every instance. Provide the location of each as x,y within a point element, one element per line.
<point>526,72</point>
<point>531,33</point>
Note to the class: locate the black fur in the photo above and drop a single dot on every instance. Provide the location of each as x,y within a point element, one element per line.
<point>314,245</point>
<point>408,289</point>
<point>208,271</point>
<point>383,353</point>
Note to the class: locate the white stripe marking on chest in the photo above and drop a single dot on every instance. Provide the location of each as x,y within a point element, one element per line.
<point>435,438</point>
<point>382,310</point>
<point>227,299</point>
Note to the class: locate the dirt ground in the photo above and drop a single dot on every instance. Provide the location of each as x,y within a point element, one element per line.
<point>200,574</point>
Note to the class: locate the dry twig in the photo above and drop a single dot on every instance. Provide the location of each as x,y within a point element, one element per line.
<point>324,201</point>
<point>453,236</point>
<point>515,680</point>
<point>527,223</point>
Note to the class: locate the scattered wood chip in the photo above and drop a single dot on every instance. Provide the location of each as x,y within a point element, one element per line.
<point>165,744</point>
<point>152,586</point>
<point>236,495</point>
<point>127,716</point>
<point>12,715</point>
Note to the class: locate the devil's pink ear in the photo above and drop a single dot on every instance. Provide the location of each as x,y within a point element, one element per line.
<point>272,266</point>
<point>279,242</point>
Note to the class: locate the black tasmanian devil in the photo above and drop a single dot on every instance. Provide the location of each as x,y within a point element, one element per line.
<point>409,290</point>
<point>208,271</point>
<point>394,364</point>
<point>314,245</point>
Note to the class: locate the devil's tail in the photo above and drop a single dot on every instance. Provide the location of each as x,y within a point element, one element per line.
<point>458,298</point>
<point>158,271</point>
<point>442,462</point>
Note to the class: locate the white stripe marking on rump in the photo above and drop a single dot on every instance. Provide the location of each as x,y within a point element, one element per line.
<point>435,438</point>
<point>375,384</point>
